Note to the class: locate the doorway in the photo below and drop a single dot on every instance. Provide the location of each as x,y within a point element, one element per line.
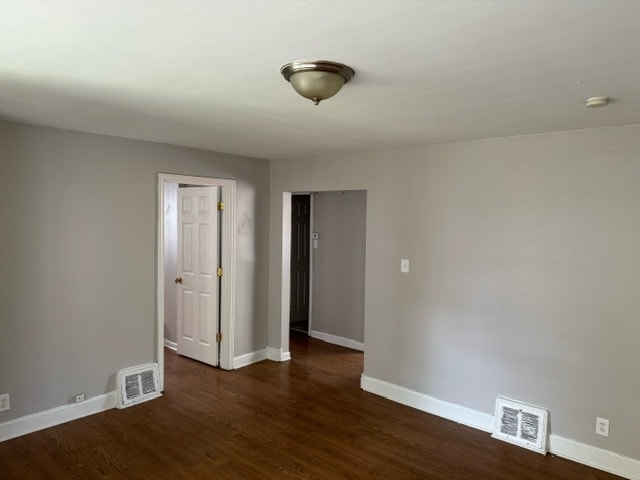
<point>334,246</point>
<point>300,263</point>
<point>166,288</point>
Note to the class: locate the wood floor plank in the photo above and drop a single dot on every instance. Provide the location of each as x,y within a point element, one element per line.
<point>303,419</point>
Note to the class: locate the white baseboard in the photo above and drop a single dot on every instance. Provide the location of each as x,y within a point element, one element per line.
<point>570,449</point>
<point>342,341</point>
<point>278,355</point>
<point>56,416</point>
<point>595,457</point>
<point>426,403</point>
<point>249,358</point>
<point>171,345</point>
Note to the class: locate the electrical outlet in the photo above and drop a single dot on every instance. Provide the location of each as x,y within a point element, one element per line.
<point>80,397</point>
<point>602,426</point>
<point>4,402</point>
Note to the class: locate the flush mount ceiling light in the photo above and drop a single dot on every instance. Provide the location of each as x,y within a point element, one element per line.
<point>595,102</point>
<point>317,80</point>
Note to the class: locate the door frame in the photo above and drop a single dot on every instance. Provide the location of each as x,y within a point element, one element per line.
<point>228,263</point>
<point>311,254</point>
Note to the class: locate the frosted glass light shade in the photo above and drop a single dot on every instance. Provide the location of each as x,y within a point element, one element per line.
<point>316,85</point>
<point>317,79</point>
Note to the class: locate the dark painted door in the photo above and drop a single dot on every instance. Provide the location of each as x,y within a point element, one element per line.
<point>300,239</point>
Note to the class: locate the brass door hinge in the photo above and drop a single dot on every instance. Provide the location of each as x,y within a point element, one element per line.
<point>220,271</point>
<point>221,206</point>
<point>218,337</point>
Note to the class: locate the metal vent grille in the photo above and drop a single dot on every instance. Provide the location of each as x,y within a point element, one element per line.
<point>137,384</point>
<point>521,424</point>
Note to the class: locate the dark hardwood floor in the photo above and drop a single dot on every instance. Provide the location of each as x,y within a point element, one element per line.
<point>304,419</point>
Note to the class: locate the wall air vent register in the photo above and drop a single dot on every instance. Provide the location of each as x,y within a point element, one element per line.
<point>521,424</point>
<point>137,384</point>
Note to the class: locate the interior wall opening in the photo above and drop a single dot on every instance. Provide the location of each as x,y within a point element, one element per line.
<point>327,274</point>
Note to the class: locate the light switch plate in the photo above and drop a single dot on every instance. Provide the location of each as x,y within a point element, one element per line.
<point>404,265</point>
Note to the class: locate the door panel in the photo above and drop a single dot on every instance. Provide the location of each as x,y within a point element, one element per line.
<point>300,260</point>
<point>187,313</point>
<point>197,264</point>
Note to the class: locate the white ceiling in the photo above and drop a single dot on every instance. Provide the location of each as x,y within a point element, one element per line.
<point>206,73</point>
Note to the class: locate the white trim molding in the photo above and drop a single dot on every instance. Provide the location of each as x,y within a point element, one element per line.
<point>570,449</point>
<point>249,358</point>
<point>228,281</point>
<point>278,354</point>
<point>170,345</point>
<point>342,341</point>
<point>595,457</point>
<point>450,411</point>
<point>56,416</point>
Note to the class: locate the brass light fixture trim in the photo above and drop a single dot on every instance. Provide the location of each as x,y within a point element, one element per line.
<point>317,80</point>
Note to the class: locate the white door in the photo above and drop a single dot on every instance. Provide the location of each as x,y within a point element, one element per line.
<point>198,282</point>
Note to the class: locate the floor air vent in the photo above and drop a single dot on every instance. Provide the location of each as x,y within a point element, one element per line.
<point>521,424</point>
<point>138,384</point>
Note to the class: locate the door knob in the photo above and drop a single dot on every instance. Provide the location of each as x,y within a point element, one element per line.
<point>178,280</point>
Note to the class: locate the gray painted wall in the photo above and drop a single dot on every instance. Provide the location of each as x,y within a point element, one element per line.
<point>338,264</point>
<point>525,271</point>
<point>78,254</point>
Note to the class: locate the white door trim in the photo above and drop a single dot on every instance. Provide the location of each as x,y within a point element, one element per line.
<point>311,252</point>
<point>228,244</point>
